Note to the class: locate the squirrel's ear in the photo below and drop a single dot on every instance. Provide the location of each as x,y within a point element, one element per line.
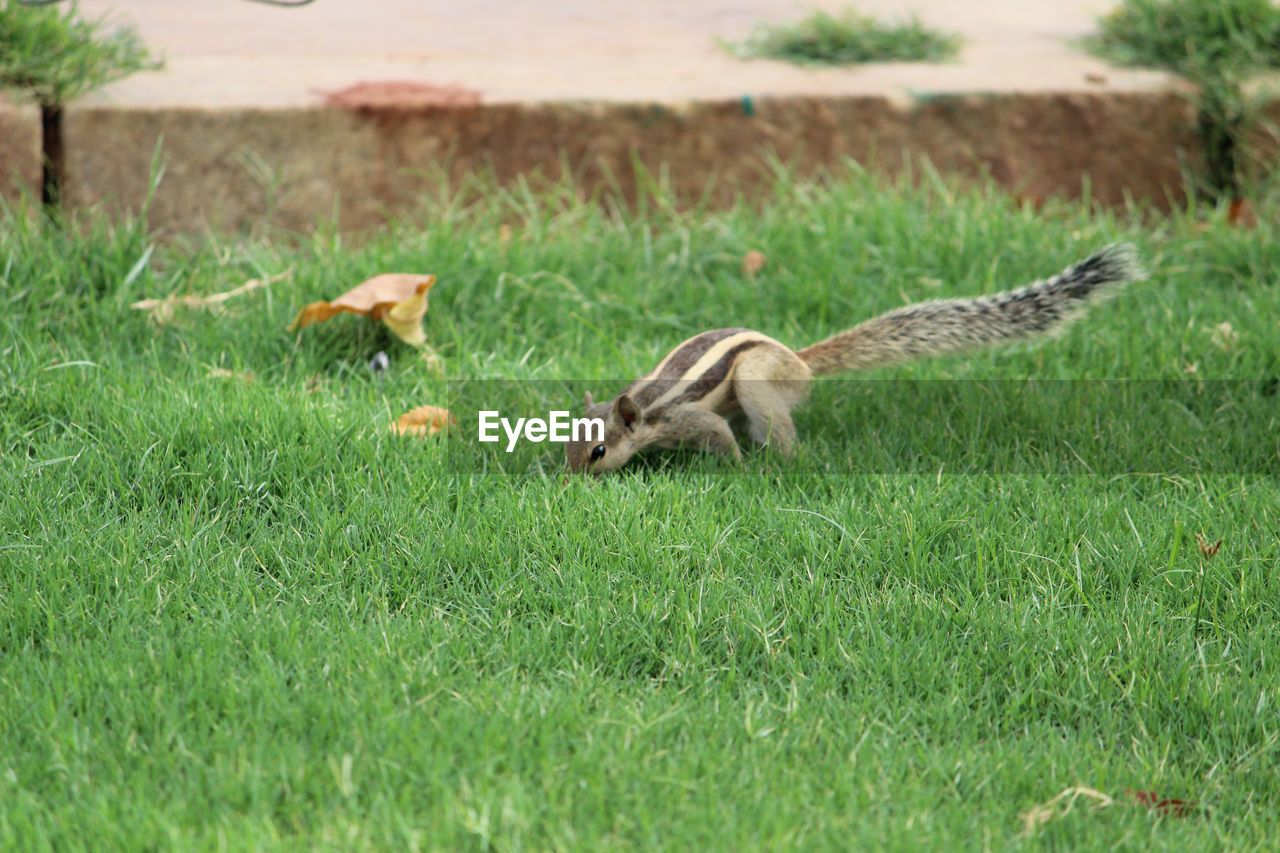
<point>627,410</point>
<point>590,400</point>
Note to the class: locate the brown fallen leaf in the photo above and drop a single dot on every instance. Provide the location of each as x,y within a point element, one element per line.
<point>424,421</point>
<point>1206,550</point>
<point>1241,214</point>
<point>752,262</point>
<point>1038,816</point>
<point>397,299</point>
<point>1029,201</point>
<point>162,310</point>
<point>1172,808</point>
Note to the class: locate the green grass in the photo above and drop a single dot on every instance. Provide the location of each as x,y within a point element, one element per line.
<point>848,37</point>
<point>240,614</point>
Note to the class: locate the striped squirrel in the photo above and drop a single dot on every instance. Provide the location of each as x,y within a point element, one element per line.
<point>690,397</point>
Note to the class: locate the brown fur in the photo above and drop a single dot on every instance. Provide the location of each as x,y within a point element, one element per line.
<point>690,397</point>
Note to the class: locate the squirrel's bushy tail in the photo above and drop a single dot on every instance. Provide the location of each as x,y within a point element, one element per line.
<point>958,325</point>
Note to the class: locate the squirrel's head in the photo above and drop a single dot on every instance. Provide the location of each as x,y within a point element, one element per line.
<point>605,449</point>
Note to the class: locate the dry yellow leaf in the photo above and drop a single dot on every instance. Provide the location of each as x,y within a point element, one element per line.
<point>424,421</point>
<point>752,262</point>
<point>397,299</point>
<point>405,318</point>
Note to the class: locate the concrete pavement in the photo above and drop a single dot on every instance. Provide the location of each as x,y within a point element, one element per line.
<point>283,109</point>
<point>234,53</point>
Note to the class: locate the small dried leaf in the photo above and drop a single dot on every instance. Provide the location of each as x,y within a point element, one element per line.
<point>424,421</point>
<point>1029,201</point>
<point>1241,214</point>
<point>1206,550</point>
<point>752,262</point>
<point>1172,808</point>
<point>397,299</point>
<point>1224,336</point>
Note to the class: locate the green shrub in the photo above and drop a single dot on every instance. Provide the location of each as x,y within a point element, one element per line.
<point>847,38</point>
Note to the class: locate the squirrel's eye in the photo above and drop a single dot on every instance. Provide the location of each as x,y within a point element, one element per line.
<point>597,452</point>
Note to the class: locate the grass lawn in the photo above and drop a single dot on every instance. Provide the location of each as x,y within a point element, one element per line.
<point>236,612</point>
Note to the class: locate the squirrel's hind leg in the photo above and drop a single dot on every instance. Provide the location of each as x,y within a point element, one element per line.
<point>768,384</point>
